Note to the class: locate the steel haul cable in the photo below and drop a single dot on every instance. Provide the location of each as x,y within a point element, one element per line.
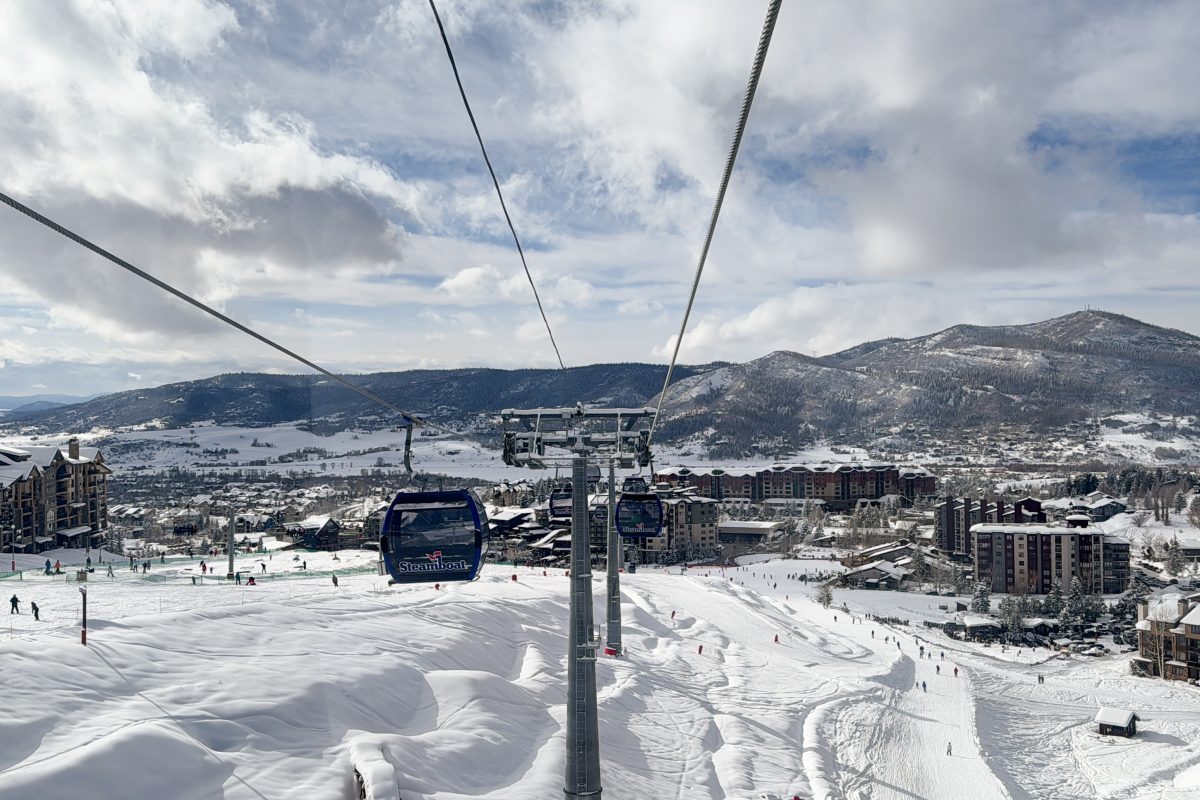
<point>503,206</point>
<point>760,57</point>
<point>166,287</point>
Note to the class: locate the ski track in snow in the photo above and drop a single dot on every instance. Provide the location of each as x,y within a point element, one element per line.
<point>274,691</point>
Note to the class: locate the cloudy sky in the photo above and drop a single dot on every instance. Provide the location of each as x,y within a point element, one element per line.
<point>308,168</point>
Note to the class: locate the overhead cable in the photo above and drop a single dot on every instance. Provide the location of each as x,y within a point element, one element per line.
<point>495,182</point>
<point>760,57</point>
<point>166,287</point>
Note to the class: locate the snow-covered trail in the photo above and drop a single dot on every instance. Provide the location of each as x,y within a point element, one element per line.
<point>894,742</point>
<point>1020,739</point>
<point>884,736</point>
<point>246,693</point>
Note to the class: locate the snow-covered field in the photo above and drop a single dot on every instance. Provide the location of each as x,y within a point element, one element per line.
<point>1150,440</point>
<point>348,452</point>
<point>213,690</point>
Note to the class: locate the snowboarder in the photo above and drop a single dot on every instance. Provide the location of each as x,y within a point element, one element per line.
<point>334,581</point>
<point>16,605</point>
<point>34,608</point>
<point>949,750</point>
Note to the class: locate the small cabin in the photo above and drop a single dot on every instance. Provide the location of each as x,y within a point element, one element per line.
<point>1117,722</point>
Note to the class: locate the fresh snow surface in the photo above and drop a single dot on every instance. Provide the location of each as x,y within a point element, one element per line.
<point>272,691</point>
<point>162,449</point>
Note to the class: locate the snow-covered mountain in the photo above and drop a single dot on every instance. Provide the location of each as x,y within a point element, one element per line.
<point>1086,366</point>
<point>1049,374</point>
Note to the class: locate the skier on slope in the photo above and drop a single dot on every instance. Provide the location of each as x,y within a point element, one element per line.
<point>956,672</point>
<point>16,605</point>
<point>34,608</point>
<point>335,581</point>
<point>949,750</point>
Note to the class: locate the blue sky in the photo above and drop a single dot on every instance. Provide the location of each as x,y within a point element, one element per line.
<point>309,169</point>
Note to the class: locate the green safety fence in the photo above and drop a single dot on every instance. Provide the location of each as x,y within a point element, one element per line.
<point>259,577</point>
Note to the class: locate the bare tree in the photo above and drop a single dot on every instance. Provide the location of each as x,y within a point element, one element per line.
<point>1140,518</point>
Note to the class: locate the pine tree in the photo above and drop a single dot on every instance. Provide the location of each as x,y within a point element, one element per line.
<point>1010,614</point>
<point>1076,604</point>
<point>1052,606</point>
<point>1175,562</point>
<point>825,596</point>
<point>1094,608</point>
<point>1193,513</point>
<point>918,565</point>
<point>981,601</point>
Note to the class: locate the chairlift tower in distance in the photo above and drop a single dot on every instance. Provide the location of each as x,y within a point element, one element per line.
<point>555,436</point>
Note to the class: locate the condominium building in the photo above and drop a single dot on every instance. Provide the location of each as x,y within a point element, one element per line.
<point>1031,558</point>
<point>1169,636</point>
<point>52,496</point>
<point>839,484</point>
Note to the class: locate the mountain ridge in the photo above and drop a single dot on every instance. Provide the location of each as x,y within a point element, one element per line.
<point>1040,375</point>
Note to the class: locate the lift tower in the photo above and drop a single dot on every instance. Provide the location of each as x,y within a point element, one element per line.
<point>557,436</point>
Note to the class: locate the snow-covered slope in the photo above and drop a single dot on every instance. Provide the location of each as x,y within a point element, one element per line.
<point>202,691</point>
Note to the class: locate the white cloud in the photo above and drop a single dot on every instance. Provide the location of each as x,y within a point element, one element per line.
<point>483,284</point>
<point>964,157</point>
<point>639,306</point>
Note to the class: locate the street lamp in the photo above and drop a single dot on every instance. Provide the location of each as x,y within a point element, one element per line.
<point>83,633</point>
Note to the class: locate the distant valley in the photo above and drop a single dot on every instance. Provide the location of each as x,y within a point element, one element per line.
<point>1089,381</point>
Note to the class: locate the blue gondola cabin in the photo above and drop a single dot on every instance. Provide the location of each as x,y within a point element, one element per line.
<point>432,537</point>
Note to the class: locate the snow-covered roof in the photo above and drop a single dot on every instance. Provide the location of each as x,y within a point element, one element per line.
<point>1192,617</point>
<point>978,621</point>
<point>1120,717</point>
<point>11,473</point>
<point>748,526</point>
<point>1017,527</point>
<point>886,567</point>
<point>1106,501</point>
